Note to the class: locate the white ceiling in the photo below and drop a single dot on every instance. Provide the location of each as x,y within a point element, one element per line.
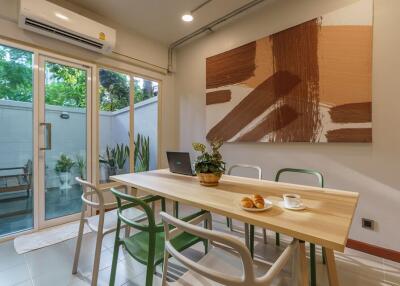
<point>160,19</point>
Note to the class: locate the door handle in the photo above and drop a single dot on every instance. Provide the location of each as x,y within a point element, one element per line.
<point>48,136</point>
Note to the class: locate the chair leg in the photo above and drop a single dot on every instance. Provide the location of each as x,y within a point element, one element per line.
<point>323,255</point>
<point>277,239</point>
<point>246,235</point>
<point>176,209</point>
<point>227,221</point>
<point>252,240</point>
<point>127,231</point>
<point>313,268</point>
<point>115,255</point>
<point>97,253</point>
<point>79,241</point>
<point>264,235</point>
<point>165,268</point>
<point>163,206</point>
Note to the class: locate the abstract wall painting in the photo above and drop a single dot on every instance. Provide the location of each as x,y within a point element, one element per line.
<point>309,83</point>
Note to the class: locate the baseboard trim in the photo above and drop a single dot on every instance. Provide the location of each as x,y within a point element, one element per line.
<point>374,250</point>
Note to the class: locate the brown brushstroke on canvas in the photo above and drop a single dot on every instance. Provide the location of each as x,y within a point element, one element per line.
<point>263,59</point>
<point>345,64</point>
<point>352,113</point>
<point>296,50</point>
<point>231,67</point>
<point>270,123</point>
<point>219,96</point>
<point>253,105</point>
<point>362,135</point>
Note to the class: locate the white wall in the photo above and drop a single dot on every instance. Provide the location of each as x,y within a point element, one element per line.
<point>370,169</point>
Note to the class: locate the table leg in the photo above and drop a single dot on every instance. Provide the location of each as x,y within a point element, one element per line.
<point>303,264</point>
<point>331,265</point>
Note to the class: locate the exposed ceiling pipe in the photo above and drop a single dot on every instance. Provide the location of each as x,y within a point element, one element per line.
<point>208,27</point>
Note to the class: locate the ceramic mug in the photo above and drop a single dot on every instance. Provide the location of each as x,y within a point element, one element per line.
<point>292,200</point>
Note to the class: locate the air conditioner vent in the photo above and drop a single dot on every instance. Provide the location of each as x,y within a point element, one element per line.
<point>56,31</point>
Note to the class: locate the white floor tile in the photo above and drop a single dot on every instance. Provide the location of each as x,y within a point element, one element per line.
<point>14,275</point>
<point>54,259</point>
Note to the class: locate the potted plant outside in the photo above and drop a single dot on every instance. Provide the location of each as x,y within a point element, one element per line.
<point>63,169</point>
<point>115,159</point>
<point>209,166</point>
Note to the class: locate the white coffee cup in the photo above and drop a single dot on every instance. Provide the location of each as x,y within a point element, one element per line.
<point>292,200</point>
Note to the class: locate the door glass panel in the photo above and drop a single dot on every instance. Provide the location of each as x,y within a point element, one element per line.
<point>65,138</point>
<point>16,150</point>
<point>114,124</point>
<point>145,124</point>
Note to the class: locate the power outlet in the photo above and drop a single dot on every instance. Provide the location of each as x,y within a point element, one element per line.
<point>368,223</point>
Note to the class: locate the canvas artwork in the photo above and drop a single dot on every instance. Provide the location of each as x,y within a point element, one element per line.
<point>309,83</point>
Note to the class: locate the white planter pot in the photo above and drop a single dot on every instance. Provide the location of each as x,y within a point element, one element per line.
<point>65,180</point>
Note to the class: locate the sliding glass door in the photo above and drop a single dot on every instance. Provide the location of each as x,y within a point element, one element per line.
<point>44,138</point>
<point>64,89</point>
<point>16,140</point>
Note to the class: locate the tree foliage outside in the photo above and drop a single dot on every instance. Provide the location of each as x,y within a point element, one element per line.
<point>15,74</point>
<point>66,86</point>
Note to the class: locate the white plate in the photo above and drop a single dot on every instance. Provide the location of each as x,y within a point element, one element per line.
<point>267,205</point>
<point>298,208</point>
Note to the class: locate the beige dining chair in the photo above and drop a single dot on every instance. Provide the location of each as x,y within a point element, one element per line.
<point>218,266</point>
<point>103,223</point>
<point>246,226</point>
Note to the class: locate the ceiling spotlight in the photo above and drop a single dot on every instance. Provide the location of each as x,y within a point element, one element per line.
<point>187,18</point>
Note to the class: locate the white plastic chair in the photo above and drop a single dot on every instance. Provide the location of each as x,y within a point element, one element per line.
<point>103,223</point>
<point>246,226</point>
<point>234,272</point>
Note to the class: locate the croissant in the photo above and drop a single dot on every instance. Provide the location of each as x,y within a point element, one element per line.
<point>246,202</point>
<point>258,201</point>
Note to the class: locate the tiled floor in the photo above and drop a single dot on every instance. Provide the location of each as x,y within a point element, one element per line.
<point>52,265</point>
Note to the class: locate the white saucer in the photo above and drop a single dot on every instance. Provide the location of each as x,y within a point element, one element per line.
<point>297,208</point>
<point>267,205</point>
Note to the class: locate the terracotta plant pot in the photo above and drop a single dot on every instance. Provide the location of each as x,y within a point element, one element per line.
<point>208,179</point>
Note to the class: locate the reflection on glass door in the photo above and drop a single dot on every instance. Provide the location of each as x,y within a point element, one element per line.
<point>64,143</point>
<point>16,121</point>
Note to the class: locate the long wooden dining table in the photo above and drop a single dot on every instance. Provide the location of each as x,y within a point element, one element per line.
<point>325,221</point>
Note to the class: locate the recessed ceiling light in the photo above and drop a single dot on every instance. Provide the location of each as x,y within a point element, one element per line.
<point>61,16</point>
<point>187,18</point>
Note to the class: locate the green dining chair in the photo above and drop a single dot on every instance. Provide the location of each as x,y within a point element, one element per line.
<point>318,175</point>
<point>146,246</point>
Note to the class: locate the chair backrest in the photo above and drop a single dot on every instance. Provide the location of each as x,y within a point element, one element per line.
<point>236,166</point>
<point>125,201</point>
<point>303,171</point>
<point>90,193</point>
<point>248,277</point>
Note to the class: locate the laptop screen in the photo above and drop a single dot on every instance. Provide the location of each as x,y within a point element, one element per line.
<point>179,162</point>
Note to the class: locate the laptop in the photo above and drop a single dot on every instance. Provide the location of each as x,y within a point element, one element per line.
<point>179,162</point>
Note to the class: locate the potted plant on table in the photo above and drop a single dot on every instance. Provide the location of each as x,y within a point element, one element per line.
<point>63,169</point>
<point>209,165</point>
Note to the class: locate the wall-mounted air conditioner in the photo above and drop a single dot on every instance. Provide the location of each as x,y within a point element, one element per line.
<point>54,21</point>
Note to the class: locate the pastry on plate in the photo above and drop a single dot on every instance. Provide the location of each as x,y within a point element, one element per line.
<point>258,201</point>
<point>246,202</point>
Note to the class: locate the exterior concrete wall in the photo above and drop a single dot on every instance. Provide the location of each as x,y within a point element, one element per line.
<point>69,135</point>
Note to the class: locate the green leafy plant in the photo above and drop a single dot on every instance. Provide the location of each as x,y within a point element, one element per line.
<point>80,162</point>
<point>115,157</point>
<point>64,164</point>
<point>121,155</point>
<point>142,153</point>
<point>209,162</point>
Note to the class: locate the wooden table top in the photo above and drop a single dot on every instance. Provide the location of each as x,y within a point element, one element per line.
<point>326,220</point>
